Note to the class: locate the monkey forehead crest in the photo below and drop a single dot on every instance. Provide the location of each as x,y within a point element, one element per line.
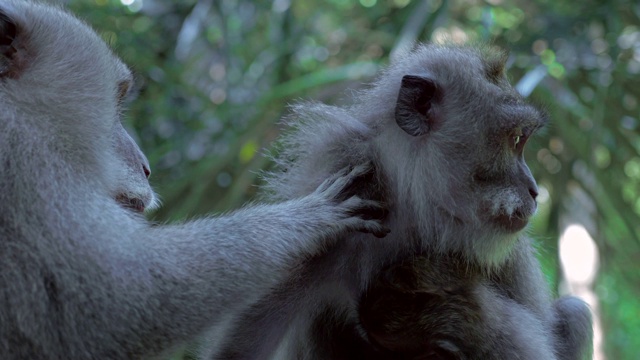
<point>471,80</point>
<point>449,63</point>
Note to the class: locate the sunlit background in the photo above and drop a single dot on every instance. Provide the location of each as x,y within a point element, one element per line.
<point>216,75</point>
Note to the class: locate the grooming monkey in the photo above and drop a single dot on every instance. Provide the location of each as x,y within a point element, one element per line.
<point>446,132</point>
<point>82,274</point>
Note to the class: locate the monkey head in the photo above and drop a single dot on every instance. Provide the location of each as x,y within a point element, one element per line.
<point>453,146</point>
<point>83,118</point>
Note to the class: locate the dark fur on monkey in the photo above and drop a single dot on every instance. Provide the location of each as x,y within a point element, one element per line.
<point>446,133</point>
<point>441,307</point>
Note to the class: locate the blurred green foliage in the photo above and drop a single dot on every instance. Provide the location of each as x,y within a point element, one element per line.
<point>216,76</point>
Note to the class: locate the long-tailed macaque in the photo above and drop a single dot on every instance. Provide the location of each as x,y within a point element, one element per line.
<point>82,274</point>
<point>446,133</point>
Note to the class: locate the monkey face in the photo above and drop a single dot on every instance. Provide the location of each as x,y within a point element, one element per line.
<point>468,128</point>
<point>101,150</point>
<point>501,173</point>
<point>132,187</point>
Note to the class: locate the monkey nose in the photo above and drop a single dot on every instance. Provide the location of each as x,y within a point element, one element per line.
<point>147,171</point>
<point>533,192</point>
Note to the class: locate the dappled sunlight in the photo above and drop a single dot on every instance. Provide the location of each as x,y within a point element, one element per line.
<point>133,5</point>
<point>579,257</point>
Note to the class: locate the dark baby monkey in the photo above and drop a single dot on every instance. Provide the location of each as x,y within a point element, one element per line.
<point>442,308</point>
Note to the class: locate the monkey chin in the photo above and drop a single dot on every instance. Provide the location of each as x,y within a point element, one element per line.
<point>511,223</point>
<point>131,203</point>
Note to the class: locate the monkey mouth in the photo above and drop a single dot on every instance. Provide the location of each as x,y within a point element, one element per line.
<point>511,223</point>
<point>131,203</point>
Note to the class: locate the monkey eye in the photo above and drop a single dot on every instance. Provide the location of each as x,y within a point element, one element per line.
<point>518,139</point>
<point>123,90</point>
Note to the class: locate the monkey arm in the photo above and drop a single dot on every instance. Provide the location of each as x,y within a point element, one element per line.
<point>568,318</point>
<point>130,289</point>
<point>573,329</point>
<point>520,278</point>
<point>212,267</point>
<point>509,330</point>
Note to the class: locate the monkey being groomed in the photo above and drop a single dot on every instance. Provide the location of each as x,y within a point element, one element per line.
<point>446,132</point>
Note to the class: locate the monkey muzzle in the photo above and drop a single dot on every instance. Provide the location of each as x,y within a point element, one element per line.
<point>512,223</point>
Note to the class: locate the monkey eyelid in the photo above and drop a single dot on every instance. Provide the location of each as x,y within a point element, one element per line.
<point>525,116</point>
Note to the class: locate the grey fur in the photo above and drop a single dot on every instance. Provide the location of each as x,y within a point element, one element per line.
<point>82,274</point>
<point>455,181</point>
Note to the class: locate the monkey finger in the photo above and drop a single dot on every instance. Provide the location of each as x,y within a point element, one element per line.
<point>370,210</point>
<point>356,201</point>
<point>324,185</point>
<point>376,229</point>
<point>360,182</point>
<point>359,170</point>
<point>329,183</point>
<point>357,173</point>
<point>348,184</point>
<point>382,233</point>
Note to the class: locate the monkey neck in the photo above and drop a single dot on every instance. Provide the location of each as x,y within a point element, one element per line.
<point>445,235</point>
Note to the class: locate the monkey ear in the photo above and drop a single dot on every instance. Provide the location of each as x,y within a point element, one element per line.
<point>8,52</point>
<point>414,112</point>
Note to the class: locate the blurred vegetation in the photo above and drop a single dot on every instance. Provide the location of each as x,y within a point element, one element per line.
<point>217,75</point>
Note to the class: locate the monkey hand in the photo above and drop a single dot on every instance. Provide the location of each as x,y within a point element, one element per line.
<point>352,212</point>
